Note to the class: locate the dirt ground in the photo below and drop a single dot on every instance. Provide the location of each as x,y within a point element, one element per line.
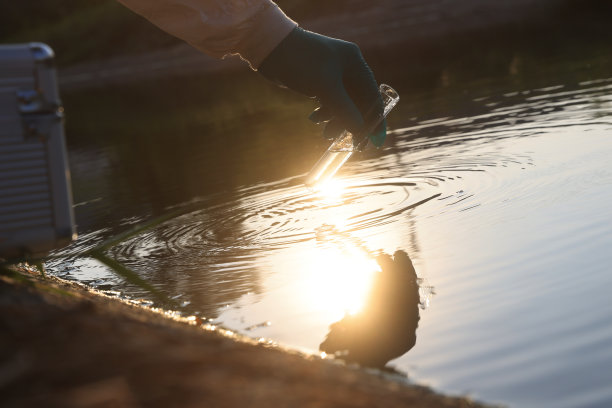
<point>62,345</point>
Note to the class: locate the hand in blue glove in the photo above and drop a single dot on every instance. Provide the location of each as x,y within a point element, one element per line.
<point>334,72</point>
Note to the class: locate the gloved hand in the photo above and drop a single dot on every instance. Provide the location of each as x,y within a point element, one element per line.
<point>334,72</point>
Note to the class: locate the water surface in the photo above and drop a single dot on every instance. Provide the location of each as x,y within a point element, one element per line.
<point>501,196</point>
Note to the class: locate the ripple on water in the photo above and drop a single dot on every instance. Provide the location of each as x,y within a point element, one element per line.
<point>279,218</point>
<point>278,215</point>
<point>442,176</point>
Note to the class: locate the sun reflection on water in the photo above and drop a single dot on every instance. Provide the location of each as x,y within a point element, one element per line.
<point>338,274</point>
<point>337,279</point>
<point>331,190</point>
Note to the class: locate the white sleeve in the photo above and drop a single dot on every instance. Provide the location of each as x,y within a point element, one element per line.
<point>250,28</point>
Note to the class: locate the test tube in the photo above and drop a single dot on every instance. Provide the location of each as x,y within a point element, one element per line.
<point>342,147</point>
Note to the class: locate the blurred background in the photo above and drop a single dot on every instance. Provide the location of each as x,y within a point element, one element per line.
<point>429,30</point>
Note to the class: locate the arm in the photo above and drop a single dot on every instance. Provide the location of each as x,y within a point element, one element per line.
<point>250,28</point>
<point>331,70</point>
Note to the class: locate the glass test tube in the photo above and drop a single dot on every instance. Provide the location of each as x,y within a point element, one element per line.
<point>342,147</point>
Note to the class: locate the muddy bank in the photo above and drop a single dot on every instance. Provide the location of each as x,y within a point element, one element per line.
<point>61,345</point>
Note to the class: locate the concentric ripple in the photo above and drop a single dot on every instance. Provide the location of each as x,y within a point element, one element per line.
<point>276,218</point>
<point>503,204</point>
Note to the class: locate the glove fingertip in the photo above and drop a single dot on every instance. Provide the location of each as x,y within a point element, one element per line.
<point>314,117</point>
<point>319,115</point>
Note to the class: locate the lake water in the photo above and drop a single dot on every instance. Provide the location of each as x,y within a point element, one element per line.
<point>501,196</point>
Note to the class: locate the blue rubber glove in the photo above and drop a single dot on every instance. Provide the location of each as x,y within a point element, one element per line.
<point>334,72</point>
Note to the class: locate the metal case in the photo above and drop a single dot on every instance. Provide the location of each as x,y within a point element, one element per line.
<point>35,199</point>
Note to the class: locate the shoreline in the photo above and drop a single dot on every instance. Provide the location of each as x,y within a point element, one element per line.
<point>67,345</point>
<point>392,35</point>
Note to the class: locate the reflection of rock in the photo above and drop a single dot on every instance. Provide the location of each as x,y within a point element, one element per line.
<point>386,326</point>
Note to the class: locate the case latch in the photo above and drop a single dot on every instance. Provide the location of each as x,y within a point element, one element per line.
<point>38,114</point>
<point>33,101</point>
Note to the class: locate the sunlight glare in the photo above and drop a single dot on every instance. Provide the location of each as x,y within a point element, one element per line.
<point>331,190</point>
<point>338,280</point>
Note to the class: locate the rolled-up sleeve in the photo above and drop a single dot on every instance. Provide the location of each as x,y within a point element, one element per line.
<point>249,28</point>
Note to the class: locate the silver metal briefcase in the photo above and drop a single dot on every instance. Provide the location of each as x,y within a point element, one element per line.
<point>35,198</point>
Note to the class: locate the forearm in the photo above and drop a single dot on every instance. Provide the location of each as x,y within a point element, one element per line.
<point>250,28</point>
